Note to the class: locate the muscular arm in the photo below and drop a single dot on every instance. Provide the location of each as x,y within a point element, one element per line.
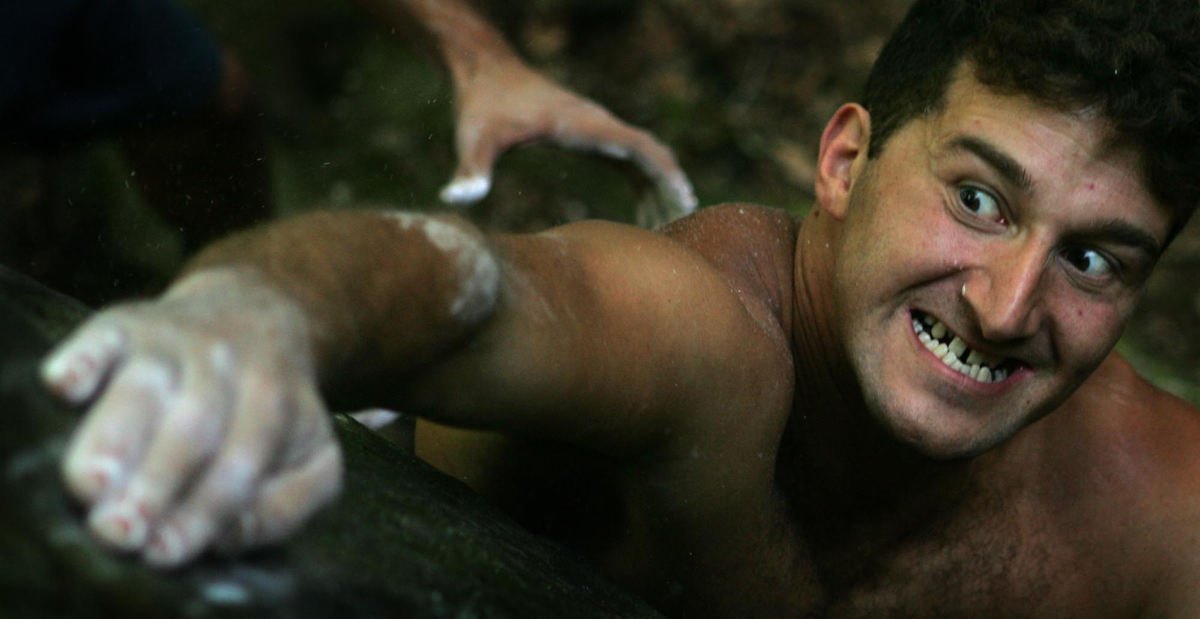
<point>595,334</point>
<point>607,318</point>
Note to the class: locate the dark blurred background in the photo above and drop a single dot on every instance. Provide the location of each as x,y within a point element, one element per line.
<point>353,114</point>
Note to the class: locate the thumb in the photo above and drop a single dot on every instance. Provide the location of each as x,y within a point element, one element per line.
<point>473,178</point>
<point>466,188</point>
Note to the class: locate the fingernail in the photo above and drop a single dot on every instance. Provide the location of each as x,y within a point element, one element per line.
<point>94,476</point>
<point>166,548</point>
<point>68,373</point>
<point>466,190</point>
<point>54,368</point>
<point>119,524</point>
<point>75,370</point>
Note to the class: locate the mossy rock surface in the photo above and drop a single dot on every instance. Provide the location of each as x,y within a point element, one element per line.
<point>404,540</point>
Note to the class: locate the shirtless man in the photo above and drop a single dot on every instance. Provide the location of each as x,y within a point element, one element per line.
<point>763,413</point>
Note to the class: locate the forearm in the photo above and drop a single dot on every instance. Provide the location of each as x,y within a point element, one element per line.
<point>594,333</point>
<point>462,36</point>
<point>380,292</point>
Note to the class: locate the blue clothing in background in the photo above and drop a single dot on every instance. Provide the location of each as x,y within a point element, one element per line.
<point>70,69</point>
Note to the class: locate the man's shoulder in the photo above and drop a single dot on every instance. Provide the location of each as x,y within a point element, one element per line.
<point>1116,401</point>
<point>730,225</point>
<point>754,246</point>
<point>1120,464</point>
<point>1139,437</point>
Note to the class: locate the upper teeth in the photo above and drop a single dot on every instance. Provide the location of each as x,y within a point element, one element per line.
<point>955,353</point>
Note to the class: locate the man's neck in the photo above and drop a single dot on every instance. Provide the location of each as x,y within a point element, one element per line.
<point>849,482</point>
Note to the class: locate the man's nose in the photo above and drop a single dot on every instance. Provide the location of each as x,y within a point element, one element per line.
<point>1005,292</point>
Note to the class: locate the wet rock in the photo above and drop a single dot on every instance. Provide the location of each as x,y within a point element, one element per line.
<point>403,541</point>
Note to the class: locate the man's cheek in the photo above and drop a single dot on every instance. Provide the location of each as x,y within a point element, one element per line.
<point>1090,337</point>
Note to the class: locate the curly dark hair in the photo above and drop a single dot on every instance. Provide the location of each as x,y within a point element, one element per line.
<point>1135,61</point>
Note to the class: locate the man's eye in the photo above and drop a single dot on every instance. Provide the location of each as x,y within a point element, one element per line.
<point>1089,262</point>
<point>981,203</point>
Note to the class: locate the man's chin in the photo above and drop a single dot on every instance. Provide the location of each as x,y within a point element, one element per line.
<point>958,448</point>
<point>940,434</point>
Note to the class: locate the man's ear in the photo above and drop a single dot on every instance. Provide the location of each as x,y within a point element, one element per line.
<point>843,153</point>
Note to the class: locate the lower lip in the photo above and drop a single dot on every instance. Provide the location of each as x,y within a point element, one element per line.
<point>958,377</point>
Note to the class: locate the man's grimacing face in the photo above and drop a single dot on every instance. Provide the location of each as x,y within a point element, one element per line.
<point>1006,234</point>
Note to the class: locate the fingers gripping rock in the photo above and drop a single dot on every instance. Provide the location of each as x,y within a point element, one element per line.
<point>113,438</point>
<point>195,399</point>
<point>286,501</point>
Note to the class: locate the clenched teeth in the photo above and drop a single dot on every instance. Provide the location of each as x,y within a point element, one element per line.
<point>955,353</point>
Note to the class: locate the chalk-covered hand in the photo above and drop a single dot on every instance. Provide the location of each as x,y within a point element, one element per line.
<point>204,426</point>
<point>501,102</point>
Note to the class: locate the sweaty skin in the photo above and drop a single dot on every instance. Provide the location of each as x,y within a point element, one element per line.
<point>716,388</point>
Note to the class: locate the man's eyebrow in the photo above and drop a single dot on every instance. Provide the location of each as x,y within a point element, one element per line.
<point>1008,167</point>
<point>1113,230</point>
<point>1124,233</point>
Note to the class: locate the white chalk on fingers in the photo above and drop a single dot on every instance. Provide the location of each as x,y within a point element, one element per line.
<point>687,197</point>
<point>614,150</point>
<point>75,371</point>
<point>157,378</point>
<point>466,190</point>
<point>681,189</point>
<point>119,524</point>
<point>89,477</point>
<point>222,358</point>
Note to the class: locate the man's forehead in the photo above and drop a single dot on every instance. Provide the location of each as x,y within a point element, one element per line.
<point>972,105</point>
<point>972,108</point>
